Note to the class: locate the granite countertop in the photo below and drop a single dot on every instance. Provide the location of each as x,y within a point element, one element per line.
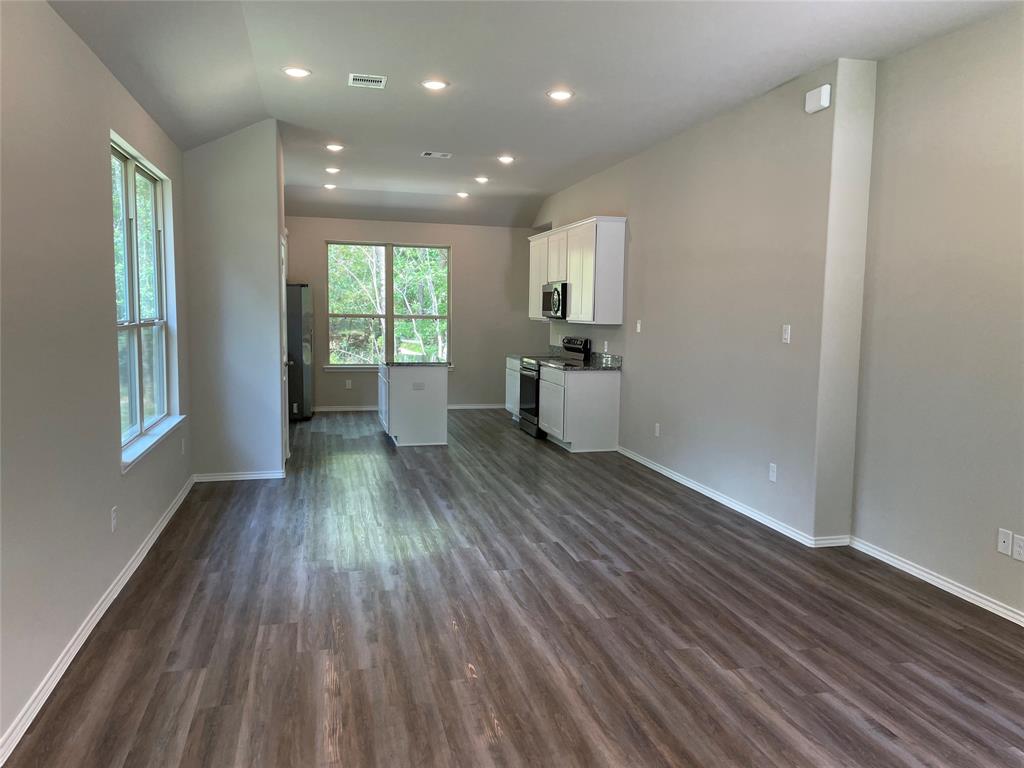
<point>598,362</point>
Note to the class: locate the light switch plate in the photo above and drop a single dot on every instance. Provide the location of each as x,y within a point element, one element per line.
<point>786,333</point>
<point>773,472</point>
<point>1005,541</point>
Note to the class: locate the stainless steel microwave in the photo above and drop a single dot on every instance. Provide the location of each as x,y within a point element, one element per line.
<point>556,300</point>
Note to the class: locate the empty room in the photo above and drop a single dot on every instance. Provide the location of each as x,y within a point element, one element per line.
<point>562,384</point>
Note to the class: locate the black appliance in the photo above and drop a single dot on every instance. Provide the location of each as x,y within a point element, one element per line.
<point>529,396</point>
<point>300,351</point>
<point>555,300</point>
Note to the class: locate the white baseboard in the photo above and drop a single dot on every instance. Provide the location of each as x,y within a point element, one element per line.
<point>337,408</point>
<point>937,579</point>
<point>216,477</point>
<point>42,692</point>
<point>475,406</point>
<point>738,506</point>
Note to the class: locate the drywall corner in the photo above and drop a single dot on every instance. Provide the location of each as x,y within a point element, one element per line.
<point>843,296</point>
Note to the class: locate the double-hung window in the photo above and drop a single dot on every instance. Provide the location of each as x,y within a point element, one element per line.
<point>138,207</point>
<point>387,302</point>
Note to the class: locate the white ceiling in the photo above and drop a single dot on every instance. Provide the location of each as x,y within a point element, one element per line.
<point>641,71</point>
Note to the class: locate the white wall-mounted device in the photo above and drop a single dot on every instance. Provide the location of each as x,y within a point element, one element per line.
<point>818,99</point>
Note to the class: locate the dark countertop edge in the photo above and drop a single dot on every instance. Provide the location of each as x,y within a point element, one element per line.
<point>579,368</point>
<point>419,365</point>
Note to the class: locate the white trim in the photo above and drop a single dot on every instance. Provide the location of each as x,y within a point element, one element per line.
<point>475,406</point>
<point>134,451</point>
<point>42,692</point>
<point>737,506</point>
<point>938,580</point>
<point>214,477</point>
<point>341,408</point>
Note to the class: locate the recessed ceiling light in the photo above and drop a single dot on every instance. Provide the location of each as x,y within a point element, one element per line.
<point>560,94</point>
<point>462,194</point>
<point>434,85</point>
<point>332,170</point>
<point>335,147</point>
<point>330,186</point>
<point>482,179</point>
<point>506,159</point>
<point>298,72</point>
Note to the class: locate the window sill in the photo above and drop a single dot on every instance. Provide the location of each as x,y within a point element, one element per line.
<point>360,368</point>
<point>132,453</point>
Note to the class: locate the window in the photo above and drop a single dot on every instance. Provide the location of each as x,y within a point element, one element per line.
<point>387,302</point>
<point>138,206</point>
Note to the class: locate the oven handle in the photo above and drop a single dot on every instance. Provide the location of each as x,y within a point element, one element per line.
<point>527,372</point>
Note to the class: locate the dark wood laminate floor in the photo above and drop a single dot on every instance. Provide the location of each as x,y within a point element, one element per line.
<point>502,602</point>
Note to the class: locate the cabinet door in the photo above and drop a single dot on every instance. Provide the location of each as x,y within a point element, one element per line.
<point>557,257</point>
<point>382,401</point>
<point>582,243</point>
<point>512,391</point>
<point>538,276</point>
<point>551,409</point>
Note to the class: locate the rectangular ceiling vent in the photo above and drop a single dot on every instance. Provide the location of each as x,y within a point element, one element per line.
<point>437,155</point>
<point>367,81</point>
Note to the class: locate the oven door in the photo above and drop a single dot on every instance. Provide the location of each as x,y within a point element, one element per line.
<point>529,391</point>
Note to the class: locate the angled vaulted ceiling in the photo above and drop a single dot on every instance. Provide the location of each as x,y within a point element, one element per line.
<point>641,72</point>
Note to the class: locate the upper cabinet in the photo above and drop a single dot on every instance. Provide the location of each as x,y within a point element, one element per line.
<point>589,255</point>
<point>557,243</point>
<point>538,276</point>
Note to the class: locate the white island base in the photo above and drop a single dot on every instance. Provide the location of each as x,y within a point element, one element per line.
<point>412,402</point>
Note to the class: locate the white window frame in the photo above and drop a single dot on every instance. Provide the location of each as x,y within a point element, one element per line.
<point>134,321</point>
<point>390,315</point>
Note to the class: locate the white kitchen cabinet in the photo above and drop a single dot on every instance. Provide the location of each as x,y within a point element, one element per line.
<point>538,276</point>
<point>413,403</point>
<point>382,396</point>
<point>589,255</point>
<point>557,261</point>
<point>551,409</point>
<point>512,386</point>
<point>582,245</point>
<point>580,409</point>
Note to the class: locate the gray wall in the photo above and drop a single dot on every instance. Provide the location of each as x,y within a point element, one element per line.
<point>490,275</point>
<point>234,301</point>
<point>726,242</point>
<point>939,444</point>
<point>61,462</point>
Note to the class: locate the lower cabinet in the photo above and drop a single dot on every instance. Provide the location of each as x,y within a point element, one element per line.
<point>580,409</point>
<point>552,409</point>
<point>512,387</point>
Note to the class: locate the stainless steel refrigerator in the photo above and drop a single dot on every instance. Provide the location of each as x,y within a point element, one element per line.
<point>300,351</point>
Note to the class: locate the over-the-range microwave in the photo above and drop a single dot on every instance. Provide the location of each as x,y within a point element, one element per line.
<point>555,301</point>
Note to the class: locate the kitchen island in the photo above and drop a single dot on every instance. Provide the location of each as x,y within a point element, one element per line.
<point>412,402</point>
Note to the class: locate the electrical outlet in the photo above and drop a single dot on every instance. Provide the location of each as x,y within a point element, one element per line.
<point>772,472</point>
<point>348,383</point>
<point>1018,547</point>
<point>606,346</point>
<point>638,326</point>
<point>785,333</point>
<point>657,429</point>
<point>1005,541</point>
<point>113,519</point>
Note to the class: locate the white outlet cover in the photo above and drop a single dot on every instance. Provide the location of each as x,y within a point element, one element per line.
<point>1004,543</point>
<point>1018,547</point>
<point>786,333</point>
<point>772,473</point>
<point>638,326</point>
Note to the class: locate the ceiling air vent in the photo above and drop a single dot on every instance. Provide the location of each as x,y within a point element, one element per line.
<point>437,155</point>
<point>367,81</point>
